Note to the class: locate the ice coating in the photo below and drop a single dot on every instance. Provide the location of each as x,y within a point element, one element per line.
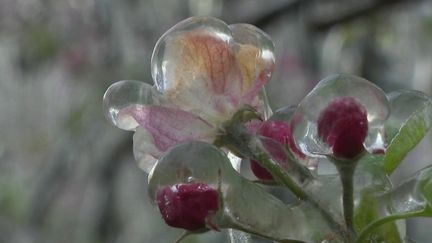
<point>246,206</point>
<point>126,94</point>
<point>412,198</point>
<point>274,138</point>
<point>167,62</point>
<point>369,175</point>
<point>403,105</point>
<point>281,133</point>
<point>264,106</point>
<point>213,70</point>
<point>284,114</point>
<point>261,148</point>
<point>413,195</point>
<point>255,56</point>
<point>209,67</point>
<point>204,72</point>
<point>371,97</point>
<point>237,236</point>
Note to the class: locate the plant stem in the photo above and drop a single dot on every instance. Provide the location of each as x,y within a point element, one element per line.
<point>235,137</point>
<point>287,181</point>
<point>346,173</point>
<point>280,176</point>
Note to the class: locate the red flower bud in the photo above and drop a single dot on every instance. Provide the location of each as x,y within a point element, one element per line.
<point>343,125</point>
<point>259,171</point>
<point>279,131</point>
<point>276,130</point>
<point>187,206</point>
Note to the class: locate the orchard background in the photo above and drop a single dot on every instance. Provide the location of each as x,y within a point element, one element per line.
<point>66,175</point>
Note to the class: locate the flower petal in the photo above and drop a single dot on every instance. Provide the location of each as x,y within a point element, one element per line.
<point>255,56</point>
<point>194,49</point>
<point>169,126</point>
<point>124,94</point>
<point>205,74</point>
<point>210,68</point>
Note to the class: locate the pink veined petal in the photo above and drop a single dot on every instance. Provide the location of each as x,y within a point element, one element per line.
<point>255,57</point>
<point>204,61</point>
<point>218,59</point>
<point>253,91</point>
<point>170,126</point>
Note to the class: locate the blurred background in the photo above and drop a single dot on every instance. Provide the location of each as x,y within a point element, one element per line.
<point>66,175</point>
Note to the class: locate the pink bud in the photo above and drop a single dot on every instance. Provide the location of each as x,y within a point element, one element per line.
<point>343,125</point>
<point>279,131</point>
<point>259,171</point>
<point>187,206</point>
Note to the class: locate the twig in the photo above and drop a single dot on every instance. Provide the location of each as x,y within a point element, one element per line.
<point>323,24</point>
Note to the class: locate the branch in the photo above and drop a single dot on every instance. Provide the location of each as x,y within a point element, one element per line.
<point>323,24</point>
<point>268,18</point>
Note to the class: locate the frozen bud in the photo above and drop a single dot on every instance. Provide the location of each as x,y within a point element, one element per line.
<point>343,125</point>
<point>276,130</point>
<point>342,115</point>
<point>260,172</point>
<point>285,115</point>
<point>187,206</point>
<point>279,131</point>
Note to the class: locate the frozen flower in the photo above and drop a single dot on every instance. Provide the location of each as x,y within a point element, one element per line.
<point>280,132</point>
<point>204,71</point>
<point>343,125</point>
<point>340,117</point>
<point>187,206</point>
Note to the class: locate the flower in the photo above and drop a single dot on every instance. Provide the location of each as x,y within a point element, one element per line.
<point>187,206</point>
<point>279,131</point>
<point>204,71</point>
<point>340,117</point>
<point>259,171</point>
<point>343,125</point>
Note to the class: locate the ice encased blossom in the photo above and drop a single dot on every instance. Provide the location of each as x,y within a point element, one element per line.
<point>278,143</point>
<point>187,205</point>
<point>285,114</point>
<point>210,68</point>
<point>137,106</point>
<point>343,125</point>
<point>308,112</point>
<point>204,71</point>
<point>244,205</point>
<point>278,131</point>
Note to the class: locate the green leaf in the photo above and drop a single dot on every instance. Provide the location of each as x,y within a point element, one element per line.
<point>368,211</point>
<point>413,195</point>
<point>409,121</point>
<point>425,185</point>
<point>412,198</point>
<point>371,181</point>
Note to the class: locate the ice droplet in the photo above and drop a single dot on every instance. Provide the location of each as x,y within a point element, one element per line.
<point>123,94</point>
